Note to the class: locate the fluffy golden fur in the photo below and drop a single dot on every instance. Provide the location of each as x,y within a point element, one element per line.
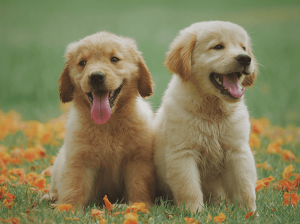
<point>201,147</point>
<point>115,158</point>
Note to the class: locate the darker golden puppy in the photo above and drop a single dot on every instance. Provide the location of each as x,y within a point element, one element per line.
<point>107,149</point>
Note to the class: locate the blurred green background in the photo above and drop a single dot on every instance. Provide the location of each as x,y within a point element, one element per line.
<point>34,35</point>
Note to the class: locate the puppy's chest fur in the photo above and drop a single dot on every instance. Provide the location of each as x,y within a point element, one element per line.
<point>213,137</point>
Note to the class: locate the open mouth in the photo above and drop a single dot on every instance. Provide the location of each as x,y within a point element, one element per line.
<point>112,96</point>
<point>228,84</point>
<point>102,104</point>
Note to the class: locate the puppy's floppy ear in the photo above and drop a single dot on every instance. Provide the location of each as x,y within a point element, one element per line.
<point>250,79</point>
<point>66,88</point>
<point>145,83</point>
<point>178,59</point>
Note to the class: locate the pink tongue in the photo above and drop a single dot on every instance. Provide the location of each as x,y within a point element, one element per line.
<point>230,82</point>
<point>101,110</point>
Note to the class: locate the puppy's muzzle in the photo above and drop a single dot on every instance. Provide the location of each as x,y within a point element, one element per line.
<point>97,80</point>
<point>244,60</point>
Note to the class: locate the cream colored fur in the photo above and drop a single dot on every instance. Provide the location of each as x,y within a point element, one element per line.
<point>201,150</point>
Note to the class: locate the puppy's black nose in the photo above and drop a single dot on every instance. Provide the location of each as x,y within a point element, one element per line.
<point>96,79</point>
<point>244,59</point>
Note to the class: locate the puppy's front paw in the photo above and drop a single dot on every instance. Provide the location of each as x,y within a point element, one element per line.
<point>52,197</point>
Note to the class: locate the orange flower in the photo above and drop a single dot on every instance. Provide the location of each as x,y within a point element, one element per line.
<point>265,166</point>
<point>254,141</point>
<point>18,171</point>
<point>108,205</point>
<point>297,181</point>
<point>30,178</point>
<point>285,185</point>
<point>191,220</point>
<point>288,155</point>
<point>40,183</point>
<point>9,200</point>
<point>3,179</point>
<point>34,153</point>
<point>131,218</point>
<point>274,147</point>
<point>97,214</point>
<point>263,183</point>
<point>220,218</point>
<point>135,207</point>
<point>63,207</point>
<point>291,199</point>
<point>287,172</point>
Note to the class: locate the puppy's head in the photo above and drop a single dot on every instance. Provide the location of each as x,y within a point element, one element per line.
<point>100,69</point>
<point>216,56</point>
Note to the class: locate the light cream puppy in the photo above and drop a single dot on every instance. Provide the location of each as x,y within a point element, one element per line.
<point>107,149</point>
<point>202,127</point>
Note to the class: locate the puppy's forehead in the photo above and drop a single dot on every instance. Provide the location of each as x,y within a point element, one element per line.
<point>223,31</point>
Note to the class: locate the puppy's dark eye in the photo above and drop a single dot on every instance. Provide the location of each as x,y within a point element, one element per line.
<point>82,63</point>
<point>218,47</point>
<point>244,48</point>
<point>114,59</point>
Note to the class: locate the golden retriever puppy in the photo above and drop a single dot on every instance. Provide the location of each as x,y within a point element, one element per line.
<point>202,128</point>
<point>108,147</point>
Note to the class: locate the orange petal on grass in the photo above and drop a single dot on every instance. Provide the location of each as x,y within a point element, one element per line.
<point>287,172</point>
<point>72,219</point>
<point>63,207</point>
<point>263,183</point>
<point>220,218</point>
<point>290,198</point>
<point>131,218</point>
<point>209,218</point>
<point>191,220</point>
<point>249,214</point>
<point>135,207</point>
<point>97,214</point>
<point>11,220</point>
<point>108,205</point>
<point>288,155</point>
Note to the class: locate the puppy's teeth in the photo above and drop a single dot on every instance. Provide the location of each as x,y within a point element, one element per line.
<point>111,94</point>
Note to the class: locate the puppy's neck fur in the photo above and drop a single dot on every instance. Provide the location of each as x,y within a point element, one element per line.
<point>203,105</point>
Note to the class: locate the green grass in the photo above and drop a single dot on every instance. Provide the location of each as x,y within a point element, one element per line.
<point>30,209</point>
<point>34,35</point>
